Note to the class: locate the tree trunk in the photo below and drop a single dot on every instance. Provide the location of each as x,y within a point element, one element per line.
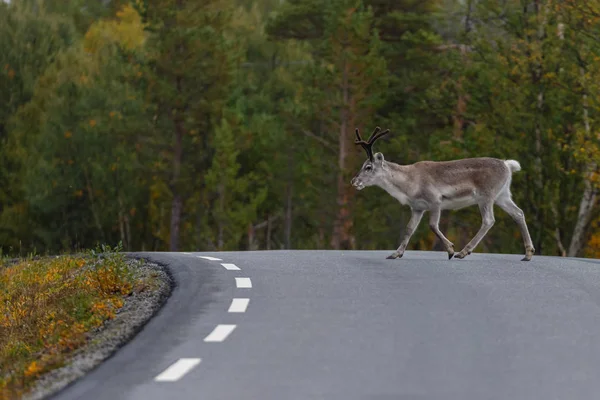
<point>583,218</point>
<point>538,181</point>
<point>250,233</point>
<point>177,203</point>
<point>461,108</point>
<point>269,230</point>
<point>468,18</point>
<point>124,227</point>
<point>220,221</point>
<point>342,226</point>
<point>289,201</point>
<point>127,232</point>
<point>590,192</point>
<point>95,214</point>
<point>461,103</point>
<point>321,238</point>
<point>176,206</point>
<point>220,237</point>
<point>288,217</point>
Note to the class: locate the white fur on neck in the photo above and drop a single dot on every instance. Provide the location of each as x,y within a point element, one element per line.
<point>393,189</point>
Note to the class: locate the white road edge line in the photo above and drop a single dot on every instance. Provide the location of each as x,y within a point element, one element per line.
<point>210,258</point>
<point>177,370</point>
<point>230,267</point>
<point>243,283</point>
<point>238,305</point>
<point>220,333</point>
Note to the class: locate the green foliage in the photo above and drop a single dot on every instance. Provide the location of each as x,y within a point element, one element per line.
<point>228,124</point>
<point>82,102</point>
<point>190,66</point>
<point>235,198</point>
<point>30,41</point>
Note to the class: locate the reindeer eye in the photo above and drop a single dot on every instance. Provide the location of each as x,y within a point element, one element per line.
<point>368,168</point>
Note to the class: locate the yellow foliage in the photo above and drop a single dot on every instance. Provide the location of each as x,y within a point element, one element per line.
<point>46,309</point>
<point>33,369</point>
<point>592,249</point>
<point>127,31</point>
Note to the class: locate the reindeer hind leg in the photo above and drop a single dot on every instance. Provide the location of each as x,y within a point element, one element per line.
<point>487,214</point>
<point>508,205</point>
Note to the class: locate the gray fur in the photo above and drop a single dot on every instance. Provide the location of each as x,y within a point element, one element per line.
<point>447,185</point>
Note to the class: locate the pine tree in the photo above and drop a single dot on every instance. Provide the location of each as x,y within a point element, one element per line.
<point>348,77</point>
<point>30,40</point>
<point>235,196</point>
<point>191,64</point>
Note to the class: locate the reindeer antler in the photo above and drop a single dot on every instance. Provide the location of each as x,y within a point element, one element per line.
<point>369,143</point>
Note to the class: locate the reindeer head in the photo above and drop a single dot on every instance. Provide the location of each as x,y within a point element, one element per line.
<point>372,169</point>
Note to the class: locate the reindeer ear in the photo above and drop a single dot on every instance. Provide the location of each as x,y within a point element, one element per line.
<point>379,157</point>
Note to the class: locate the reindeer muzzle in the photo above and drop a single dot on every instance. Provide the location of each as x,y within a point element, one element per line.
<point>357,183</point>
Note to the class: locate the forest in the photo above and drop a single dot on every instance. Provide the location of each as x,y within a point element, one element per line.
<point>213,125</point>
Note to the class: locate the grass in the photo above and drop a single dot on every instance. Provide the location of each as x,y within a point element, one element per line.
<point>48,306</point>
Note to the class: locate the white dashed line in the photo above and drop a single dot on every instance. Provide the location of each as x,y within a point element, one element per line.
<point>243,283</point>
<point>220,333</point>
<point>186,253</point>
<point>238,305</point>
<point>230,267</point>
<point>177,370</point>
<point>210,258</point>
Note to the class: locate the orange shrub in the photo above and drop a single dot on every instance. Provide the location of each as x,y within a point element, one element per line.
<point>46,309</point>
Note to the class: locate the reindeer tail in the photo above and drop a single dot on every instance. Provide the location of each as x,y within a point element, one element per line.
<point>513,165</point>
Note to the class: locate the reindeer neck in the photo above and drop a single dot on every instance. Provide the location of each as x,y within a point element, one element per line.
<point>396,181</point>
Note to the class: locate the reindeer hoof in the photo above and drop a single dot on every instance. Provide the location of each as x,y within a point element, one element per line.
<point>394,255</point>
<point>528,254</point>
<point>462,254</point>
<point>450,251</point>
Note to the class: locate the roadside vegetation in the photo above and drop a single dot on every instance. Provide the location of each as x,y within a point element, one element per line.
<point>50,305</point>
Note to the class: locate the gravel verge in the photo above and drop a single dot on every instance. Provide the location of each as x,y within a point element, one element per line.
<point>137,310</point>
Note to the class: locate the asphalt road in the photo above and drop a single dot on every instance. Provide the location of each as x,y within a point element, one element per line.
<point>353,325</point>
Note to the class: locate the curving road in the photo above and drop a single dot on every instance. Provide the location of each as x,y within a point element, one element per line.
<point>353,325</point>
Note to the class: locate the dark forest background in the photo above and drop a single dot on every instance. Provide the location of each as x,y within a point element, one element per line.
<point>228,124</point>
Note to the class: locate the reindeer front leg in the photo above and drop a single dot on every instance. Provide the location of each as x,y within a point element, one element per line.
<point>410,229</point>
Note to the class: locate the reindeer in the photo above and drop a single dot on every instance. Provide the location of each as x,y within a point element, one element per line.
<point>444,185</point>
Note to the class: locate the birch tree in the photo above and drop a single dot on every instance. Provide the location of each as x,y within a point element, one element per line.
<point>580,29</point>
